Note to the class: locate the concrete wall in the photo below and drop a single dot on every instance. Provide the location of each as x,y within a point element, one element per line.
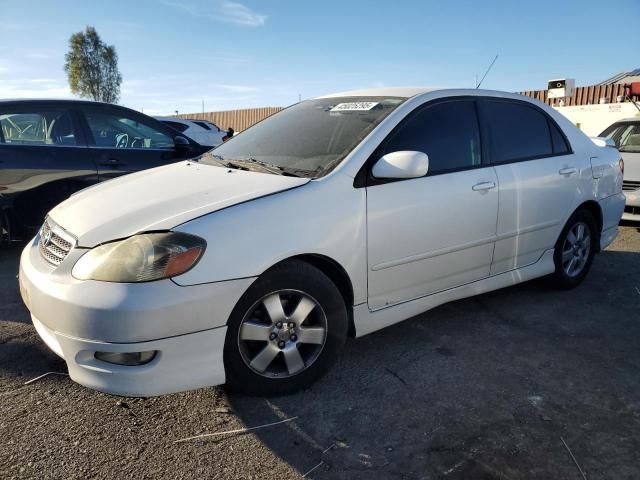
<point>593,119</point>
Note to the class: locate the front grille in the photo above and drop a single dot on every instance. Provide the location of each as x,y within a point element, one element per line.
<point>55,243</point>
<point>630,185</point>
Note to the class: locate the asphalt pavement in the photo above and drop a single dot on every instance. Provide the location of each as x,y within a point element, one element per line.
<point>526,382</point>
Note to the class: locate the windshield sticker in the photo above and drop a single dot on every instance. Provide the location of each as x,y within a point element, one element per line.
<point>353,107</point>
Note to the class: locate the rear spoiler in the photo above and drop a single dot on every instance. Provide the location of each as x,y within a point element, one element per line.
<point>603,142</point>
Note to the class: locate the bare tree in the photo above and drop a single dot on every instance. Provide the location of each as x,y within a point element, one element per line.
<point>92,67</point>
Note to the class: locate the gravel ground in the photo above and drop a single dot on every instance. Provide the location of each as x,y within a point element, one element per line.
<point>483,388</point>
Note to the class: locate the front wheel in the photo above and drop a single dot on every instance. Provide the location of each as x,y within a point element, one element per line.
<point>285,331</point>
<point>575,249</point>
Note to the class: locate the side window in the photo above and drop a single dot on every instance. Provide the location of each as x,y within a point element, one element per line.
<point>518,131</point>
<point>560,146</point>
<point>177,126</point>
<point>447,132</point>
<point>112,129</point>
<point>33,127</point>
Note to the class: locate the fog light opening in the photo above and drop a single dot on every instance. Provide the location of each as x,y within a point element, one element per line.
<point>129,359</point>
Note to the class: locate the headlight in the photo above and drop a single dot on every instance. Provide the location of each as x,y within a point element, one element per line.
<point>141,258</point>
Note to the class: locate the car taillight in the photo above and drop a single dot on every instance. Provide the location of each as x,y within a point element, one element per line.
<point>621,163</point>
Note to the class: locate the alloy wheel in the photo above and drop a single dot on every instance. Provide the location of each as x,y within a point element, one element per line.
<point>576,249</point>
<point>282,334</point>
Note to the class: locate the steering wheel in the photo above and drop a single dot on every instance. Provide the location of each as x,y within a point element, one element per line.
<point>122,140</point>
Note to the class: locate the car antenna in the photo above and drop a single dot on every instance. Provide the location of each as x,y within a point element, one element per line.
<point>487,72</point>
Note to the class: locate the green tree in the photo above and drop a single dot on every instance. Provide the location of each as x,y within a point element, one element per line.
<point>92,67</point>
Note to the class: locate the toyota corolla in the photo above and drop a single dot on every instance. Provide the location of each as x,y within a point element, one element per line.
<point>336,217</point>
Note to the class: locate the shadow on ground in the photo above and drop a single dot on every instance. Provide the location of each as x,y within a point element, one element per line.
<point>480,388</point>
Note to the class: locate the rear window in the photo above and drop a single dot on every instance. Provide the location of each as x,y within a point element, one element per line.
<point>518,131</point>
<point>45,127</point>
<point>203,125</point>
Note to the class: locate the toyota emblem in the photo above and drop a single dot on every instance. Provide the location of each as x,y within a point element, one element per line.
<point>46,239</point>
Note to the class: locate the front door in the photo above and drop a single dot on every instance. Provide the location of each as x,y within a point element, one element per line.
<point>124,142</point>
<point>429,234</point>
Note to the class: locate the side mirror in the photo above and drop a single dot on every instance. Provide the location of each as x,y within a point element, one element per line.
<point>183,147</point>
<point>604,142</point>
<point>181,142</point>
<point>402,164</point>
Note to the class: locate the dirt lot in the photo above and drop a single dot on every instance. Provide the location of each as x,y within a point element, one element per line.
<point>483,388</point>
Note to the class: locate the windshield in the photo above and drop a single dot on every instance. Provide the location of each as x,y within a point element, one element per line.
<point>626,136</point>
<point>307,139</point>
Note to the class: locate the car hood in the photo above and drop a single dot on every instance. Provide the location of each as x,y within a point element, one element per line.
<point>160,198</point>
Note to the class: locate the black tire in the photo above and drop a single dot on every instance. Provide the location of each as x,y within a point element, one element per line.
<point>290,276</point>
<point>560,278</point>
<point>5,229</point>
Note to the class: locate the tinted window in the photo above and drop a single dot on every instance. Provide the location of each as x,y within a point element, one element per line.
<point>47,127</point>
<point>559,143</point>
<point>115,130</point>
<point>517,131</point>
<point>447,132</point>
<point>177,126</point>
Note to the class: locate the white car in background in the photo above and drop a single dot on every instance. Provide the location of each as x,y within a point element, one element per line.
<point>202,131</point>
<point>335,217</point>
<point>626,136</point>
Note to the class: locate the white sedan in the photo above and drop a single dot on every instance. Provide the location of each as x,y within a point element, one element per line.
<point>336,217</point>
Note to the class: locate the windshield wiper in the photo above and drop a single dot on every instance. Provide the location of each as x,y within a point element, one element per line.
<point>252,163</point>
<point>289,171</point>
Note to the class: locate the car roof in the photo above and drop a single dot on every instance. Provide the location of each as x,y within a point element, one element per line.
<point>405,92</point>
<point>173,119</point>
<point>408,92</point>
<point>52,101</point>
<point>628,120</point>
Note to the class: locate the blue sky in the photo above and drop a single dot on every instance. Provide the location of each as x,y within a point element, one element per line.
<point>176,53</point>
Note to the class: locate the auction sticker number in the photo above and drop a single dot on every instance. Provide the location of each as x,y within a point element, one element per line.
<point>354,106</point>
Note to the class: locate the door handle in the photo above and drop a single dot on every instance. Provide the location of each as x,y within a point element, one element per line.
<point>567,171</point>
<point>483,186</point>
<point>112,162</point>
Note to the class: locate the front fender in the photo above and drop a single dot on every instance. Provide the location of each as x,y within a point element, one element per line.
<point>327,217</point>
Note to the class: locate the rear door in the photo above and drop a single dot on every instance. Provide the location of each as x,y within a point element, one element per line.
<point>123,141</point>
<point>436,232</point>
<point>43,159</point>
<point>539,178</point>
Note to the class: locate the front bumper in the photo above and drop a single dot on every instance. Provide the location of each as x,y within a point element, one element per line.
<point>186,326</point>
<point>181,363</point>
<point>632,206</point>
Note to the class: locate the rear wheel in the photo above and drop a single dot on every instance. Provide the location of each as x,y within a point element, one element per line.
<point>285,331</point>
<point>575,249</point>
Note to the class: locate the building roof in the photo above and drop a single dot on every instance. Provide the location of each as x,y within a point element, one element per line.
<point>623,77</point>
